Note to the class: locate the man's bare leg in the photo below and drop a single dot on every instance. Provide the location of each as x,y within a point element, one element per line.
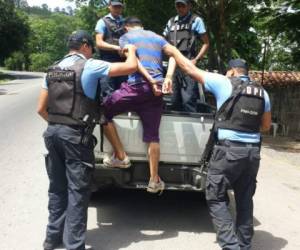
<point>154,155</point>
<point>111,134</point>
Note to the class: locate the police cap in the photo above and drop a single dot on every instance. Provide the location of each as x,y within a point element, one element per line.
<point>79,37</point>
<point>185,2</point>
<point>116,2</point>
<point>238,63</point>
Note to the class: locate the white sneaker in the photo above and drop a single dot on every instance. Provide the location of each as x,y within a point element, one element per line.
<point>87,247</point>
<point>113,162</point>
<point>155,187</point>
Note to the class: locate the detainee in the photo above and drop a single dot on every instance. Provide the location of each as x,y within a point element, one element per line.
<point>141,94</point>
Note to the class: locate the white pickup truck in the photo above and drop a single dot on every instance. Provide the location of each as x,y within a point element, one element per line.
<point>183,137</point>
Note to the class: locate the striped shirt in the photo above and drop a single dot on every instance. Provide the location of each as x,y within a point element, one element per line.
<point>149,51</point>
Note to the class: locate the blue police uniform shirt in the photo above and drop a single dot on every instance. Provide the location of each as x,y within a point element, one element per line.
<point>221,87</point>
<point>93,70</point>
<point>198,26</point>
<point>149,51</point>
<point>101,27</point>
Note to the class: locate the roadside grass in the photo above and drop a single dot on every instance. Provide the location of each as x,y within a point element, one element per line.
<point>5,77</point>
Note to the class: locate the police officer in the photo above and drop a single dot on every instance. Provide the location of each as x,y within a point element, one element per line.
<point>183,31</point>
<point>243,112</point>
<point>109,29</point>
<point>69,102</point>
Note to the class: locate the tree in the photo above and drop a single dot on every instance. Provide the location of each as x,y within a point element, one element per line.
<point>45,7</point>
<point>16,61</point>
<point>14,29</point>
<point>282,41</point>
<point>236,28</point>
<point>70,11</point>
<point>49,35</point>
<point>89,14</point>
<point>145,10</point>
<point>40,61</point>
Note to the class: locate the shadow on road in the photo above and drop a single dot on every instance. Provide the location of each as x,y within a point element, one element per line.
<point>12,83</point>
<point>27,76</point>
<point>126,217</point>
<point>17,76</point>
<point>3,91</point>
<point>265,240</point>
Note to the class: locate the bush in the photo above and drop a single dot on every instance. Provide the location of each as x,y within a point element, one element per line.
<point>16,61</point>
<point>40,61</point>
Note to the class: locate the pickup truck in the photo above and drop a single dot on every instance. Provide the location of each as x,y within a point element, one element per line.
<point>183,137</point>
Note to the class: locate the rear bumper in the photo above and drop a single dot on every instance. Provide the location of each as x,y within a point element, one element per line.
<point>176,177</point>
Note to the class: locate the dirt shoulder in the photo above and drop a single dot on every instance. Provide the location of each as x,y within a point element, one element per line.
<point>283,149</point>
<point>290,144</point>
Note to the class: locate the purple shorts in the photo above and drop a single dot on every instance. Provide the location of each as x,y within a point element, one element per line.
<point>137,98</point>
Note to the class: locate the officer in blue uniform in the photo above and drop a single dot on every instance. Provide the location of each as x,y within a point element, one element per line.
<point>69,102</point>
<point>108,31</point>
<point>184,31</point>
<point>243,112</point>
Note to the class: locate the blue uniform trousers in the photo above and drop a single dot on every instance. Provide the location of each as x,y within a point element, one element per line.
<point>234,166</point>
<point>69,166</point>
<point>185,93</point>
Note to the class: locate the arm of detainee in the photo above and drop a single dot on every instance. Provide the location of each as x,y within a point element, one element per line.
<point>153,83</point>
<point>266,122</point>
<point>185,64</point>
<point>204,48</point>
<point>43,104</point>
<point>129,66</point>
<point>101,44</point>
<point>145,73</point>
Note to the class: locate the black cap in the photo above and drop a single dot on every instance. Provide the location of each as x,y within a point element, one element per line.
<point>133,21</point>
<point>238,63</point>
<point>79,37</point>
<point>116,2</point>
<point>183,1</point>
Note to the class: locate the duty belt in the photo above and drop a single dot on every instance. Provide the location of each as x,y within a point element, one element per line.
<point>229,143</point>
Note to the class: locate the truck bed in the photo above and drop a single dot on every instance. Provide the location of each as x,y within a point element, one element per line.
<point>183,137</point>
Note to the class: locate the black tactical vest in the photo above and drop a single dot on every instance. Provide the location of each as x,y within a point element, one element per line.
<point>67,103</point>
<point>182,37</point>
<point>244,109</point>
<point>114,32</point>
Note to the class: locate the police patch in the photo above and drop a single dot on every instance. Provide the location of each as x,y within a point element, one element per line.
<point>61,75</point>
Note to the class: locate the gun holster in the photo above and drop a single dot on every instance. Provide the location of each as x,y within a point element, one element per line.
<point>87,138</point>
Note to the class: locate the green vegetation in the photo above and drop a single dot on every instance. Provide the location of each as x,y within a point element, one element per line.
<point>31,38</point>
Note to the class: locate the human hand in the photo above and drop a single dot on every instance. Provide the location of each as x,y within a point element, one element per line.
<point>194,61</point>
<point>129,48</point>
<point>156,89</point>
<point>167,86</point>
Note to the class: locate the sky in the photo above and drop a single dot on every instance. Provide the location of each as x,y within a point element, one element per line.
<point>51,3</point>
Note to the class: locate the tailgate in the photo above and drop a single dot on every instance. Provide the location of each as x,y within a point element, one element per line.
<point>182,137</point>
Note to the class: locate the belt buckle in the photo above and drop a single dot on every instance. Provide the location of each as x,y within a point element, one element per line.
<point>249,145</point>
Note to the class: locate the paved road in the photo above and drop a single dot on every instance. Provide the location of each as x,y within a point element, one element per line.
<point>132,220</point>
